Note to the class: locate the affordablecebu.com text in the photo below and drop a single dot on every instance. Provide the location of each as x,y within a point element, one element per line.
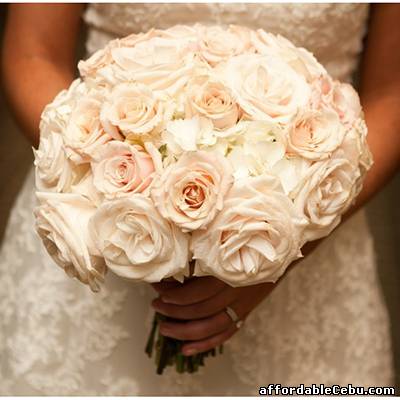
<point>322,390</point>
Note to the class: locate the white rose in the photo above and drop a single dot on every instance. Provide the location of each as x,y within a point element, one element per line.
<point>178,32</point>
<point>95,62</point>
<point>265,87</point>
<point>322,92</point>
<point>355,148</point>
<point>54,172</point>
<point>62,224</point>
<point>137,243</point>
<point>148,53</point>
<point>162,64</point>
<point>217,44</point>
<point>301,60</point>
<point>354,144</point>
<point>56,114</point>
<point>366,159</point>
<point>121,169</point>
<point>253,239</point>
<point>191,191</point>
<point>212,100</point>
<point>315,135</point>
<point>346,102</point>
<point>325,193</point>
<point>86,188</point>
<point>84,134</point>
<point>131,40</point>
<point>131,110</point>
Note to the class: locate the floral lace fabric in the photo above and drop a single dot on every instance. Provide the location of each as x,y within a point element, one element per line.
<point>325,322</point>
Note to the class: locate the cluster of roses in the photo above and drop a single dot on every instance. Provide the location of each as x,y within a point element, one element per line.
<point>231,147</point>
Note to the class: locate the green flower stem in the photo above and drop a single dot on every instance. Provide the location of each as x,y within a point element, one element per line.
<point>168,351</point>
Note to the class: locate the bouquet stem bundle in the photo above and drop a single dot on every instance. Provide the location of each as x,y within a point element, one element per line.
<point>168,351</point>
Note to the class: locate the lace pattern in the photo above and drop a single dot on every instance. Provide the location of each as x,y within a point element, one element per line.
<point>325,322</point>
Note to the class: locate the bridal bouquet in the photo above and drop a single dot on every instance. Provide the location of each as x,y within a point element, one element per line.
<point>220,149</point>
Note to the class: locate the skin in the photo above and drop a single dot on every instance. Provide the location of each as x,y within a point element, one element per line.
<point>38,58</point>
<point>41,39</point>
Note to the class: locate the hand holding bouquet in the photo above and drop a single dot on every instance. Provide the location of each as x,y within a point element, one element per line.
<point>227,149</point>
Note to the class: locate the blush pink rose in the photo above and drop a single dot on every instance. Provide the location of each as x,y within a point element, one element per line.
<point>315,134</point>
<point>346,102</point>
<point>191,191</point>
<point>212,100</point>
<point>121,169</point>
<point>217,44</point>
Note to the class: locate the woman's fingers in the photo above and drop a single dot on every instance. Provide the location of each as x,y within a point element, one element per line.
<point>217,336</point>
<point>193,291</point>
<point>199,310</point>
<point>208,324</point>
<point>165,285</point>
<point>198,329</point>
<point>209,343</point>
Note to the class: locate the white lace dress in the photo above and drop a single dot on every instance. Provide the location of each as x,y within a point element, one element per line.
<point>325,323</point>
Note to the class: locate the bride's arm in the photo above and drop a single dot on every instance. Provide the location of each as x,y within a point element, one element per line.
<point>38,58</point>
<point>380,96</point>
<point>206,298</point>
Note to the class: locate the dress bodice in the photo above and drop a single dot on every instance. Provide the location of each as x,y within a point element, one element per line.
<point>333,32</point>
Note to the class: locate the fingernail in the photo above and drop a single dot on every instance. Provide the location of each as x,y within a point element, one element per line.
<point>166,300</point>
<point>164,328</point>
<point>165,332</point>
<point>189,352</point>
<point>156,305</point>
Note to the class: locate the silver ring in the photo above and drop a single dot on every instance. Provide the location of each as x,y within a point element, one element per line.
<point>234,317</point>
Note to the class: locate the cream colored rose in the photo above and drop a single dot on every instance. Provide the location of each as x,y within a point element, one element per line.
<point>120,169</point>
<point>253,239</point>
<point>191,191</point>
<point>132,40</point>
<point>186,32</point>
<point>346,102</point>
<point>131,109</point>
<point>84,134</point>
<point>137,243</point>
<point>325,193</point>
<point>212,100</point>
<point>53,172</point>
<point>95,62</point>
<point>56,114</point>
<point>162,64</point>
<point>62,224</point>
<point>86,188</point>
<point>366,159</point>
<point>301,60</point>
<point>315,135</point>
<point>354,145</point>
<point>355,149</point>
<point>155,51</point>
<point>217,44</point>
<point>322,93</point>
<point>168,79</point>
<point>265,87</point>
